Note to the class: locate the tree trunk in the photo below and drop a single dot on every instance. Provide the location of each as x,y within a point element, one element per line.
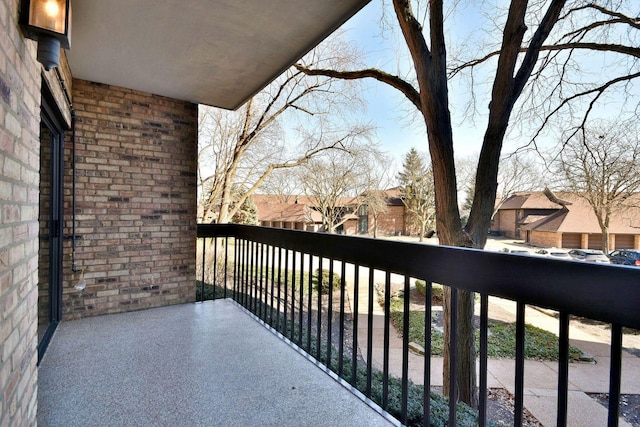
<point>225,202</point>
<point>604,219</point>
<point>606,240</point>
<point>431,72</point>
<point>375,226</point>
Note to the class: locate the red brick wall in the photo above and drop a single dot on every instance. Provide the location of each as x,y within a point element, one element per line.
<point>390,222</point>
<point>136,162</point>
<point>19,164</point>
<point>545,239</point>
<point>506,223</point>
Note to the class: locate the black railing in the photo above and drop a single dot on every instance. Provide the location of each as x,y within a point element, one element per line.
<point>271,273</point>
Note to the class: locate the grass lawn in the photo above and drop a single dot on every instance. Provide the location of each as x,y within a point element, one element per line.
<point>538,343</point>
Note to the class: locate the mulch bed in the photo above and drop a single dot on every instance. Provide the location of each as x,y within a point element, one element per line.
<point>629,406</point>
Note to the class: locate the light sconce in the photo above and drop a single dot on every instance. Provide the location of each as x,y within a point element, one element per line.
<point>48,22</point>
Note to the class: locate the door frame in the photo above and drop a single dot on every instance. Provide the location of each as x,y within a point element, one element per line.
<point>52,118</point>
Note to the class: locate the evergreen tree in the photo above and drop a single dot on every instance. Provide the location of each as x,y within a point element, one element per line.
<point>417,192</point>
<point>247,214</point>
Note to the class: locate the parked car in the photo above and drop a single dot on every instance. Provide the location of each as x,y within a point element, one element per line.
<point>589,255</point>
<point>516,251</point>
<point>625,257</point>
<point>553,253</point>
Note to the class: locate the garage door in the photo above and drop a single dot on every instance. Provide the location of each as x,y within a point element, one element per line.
<point>595,241</point>
<point>571,240</point>
<point>624,241</point>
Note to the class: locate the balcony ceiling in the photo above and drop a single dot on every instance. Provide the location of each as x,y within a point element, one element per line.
<point>211,52</point>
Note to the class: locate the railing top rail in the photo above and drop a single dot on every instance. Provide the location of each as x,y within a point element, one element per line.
<point>601,292</point>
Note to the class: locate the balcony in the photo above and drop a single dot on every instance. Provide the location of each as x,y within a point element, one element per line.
<point>187,365</point>
<point>282,353</point>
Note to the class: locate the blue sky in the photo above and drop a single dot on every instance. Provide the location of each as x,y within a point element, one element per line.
<point>398,127</point>
<point>466,29</point>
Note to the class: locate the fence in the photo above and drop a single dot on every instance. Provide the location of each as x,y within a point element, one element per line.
<point>271,273</point>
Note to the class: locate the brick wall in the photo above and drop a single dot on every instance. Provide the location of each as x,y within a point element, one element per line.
<point>545,239</point>
<point>390,222</point>
<point>507,223</point>
<point>136,162</point>
<point>19,163</point>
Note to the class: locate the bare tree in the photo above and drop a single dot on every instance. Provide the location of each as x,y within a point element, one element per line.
<point>335,180</point>
<point>417,192</point>
<point>281,185</point>
<point>602,165</point>
<point>242,148</point>
<point>374,200</point>
<point>517,172</point>
<point>525,31</point>
<point>374,204</point>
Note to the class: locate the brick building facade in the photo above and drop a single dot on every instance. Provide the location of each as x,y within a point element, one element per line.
<point>136,157</point>
<point>566,221</point>
<point>299,212</point>
<point>20,85</point>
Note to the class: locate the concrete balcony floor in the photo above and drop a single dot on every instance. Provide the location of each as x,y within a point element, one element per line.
<point>204,364</point>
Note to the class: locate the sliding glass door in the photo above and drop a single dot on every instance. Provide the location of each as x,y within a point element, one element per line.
<point>51,223</point>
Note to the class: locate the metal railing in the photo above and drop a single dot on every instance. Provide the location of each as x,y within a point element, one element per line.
<point>271,273</point>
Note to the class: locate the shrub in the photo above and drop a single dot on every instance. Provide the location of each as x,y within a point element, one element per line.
<point>210,291</point>
<point>436,289</point>
<point>322,284</point>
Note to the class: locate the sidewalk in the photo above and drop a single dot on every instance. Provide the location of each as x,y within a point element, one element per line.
<point>540,377</point>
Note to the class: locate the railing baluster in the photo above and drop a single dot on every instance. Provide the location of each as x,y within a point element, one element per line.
<point>236,266</point>
<point>285,329</point>
<point>267,283</point>
<point>615,375</point>
<point>279,296</point>
<point>215,265</point>
<point>330,314</point>
<point>241,271</point>
<point>370,332</point>
<point>247,251</point>
<point>253,281</point>
<point>387,320</point>
<point>341,343</point>
<point>204,264</point>
<point>405,348</point>
<point>293,295</point>
<point>519,379</point>
<point>238,276</point>
<point>453,356</point>
<point>301,307</point>
<point>356,315</point>
<point>484,335</point>
<point>427,354</point>
<point>563,369</point>
<point>254,274</point>
<point>261,313</point>
<point>319,313</point>
<point>226,263</point>
<point>256,282</point>
<point>273,281</point>
<point>309,303</point>
<point>245,273</point>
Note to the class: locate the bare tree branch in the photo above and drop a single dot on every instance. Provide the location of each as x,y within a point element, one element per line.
<point>374,73</point>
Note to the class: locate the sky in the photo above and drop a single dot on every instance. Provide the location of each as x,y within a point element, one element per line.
<point>392,114</point>
<point>399,128</point>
